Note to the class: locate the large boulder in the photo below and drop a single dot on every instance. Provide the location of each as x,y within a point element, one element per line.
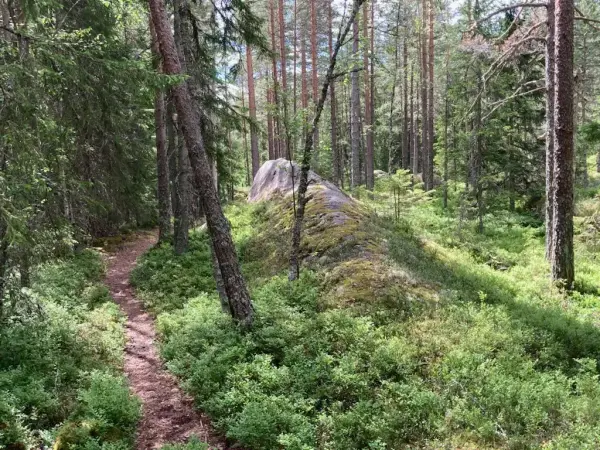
<point>277,178</point>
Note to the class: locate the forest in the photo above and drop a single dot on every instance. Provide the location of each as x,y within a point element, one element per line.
<point>299,224</point>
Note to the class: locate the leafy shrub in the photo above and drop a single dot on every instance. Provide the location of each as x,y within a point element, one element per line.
<point>172,278</point>
<point>497,360</point>
<point>108,399</point>
<point>193,444</point>
<point>106,416</point>
<point>57,363</point>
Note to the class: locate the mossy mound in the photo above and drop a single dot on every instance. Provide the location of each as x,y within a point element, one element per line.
<point>342,238</point>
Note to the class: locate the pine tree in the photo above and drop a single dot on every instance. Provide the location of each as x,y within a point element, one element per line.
<point>561,252</point>
<point>239,300</point>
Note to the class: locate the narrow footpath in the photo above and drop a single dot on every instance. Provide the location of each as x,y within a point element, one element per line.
<point>168,414</point>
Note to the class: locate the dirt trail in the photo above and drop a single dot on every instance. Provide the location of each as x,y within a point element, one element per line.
<point>168,414</point>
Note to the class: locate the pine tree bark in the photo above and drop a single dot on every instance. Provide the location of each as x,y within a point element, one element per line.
<point>584,71</point>
<point>245,137</point>
<point>172,155</point>
<point>239,299</point>
<point>424,92</point>
<point>335,156</point>
<point>295,62</point>
<point>392,156</point>
<point>430,111</point>
<point>270,130</point>
<point>446,120</point>
<point>549,124</point>
<point>284,92</point>
<point>369,163</point>
<point>304,78</point>
<point>162,159</point>
<point>184,43</point>
<point>405,125</point>
<point>355,176</point>
<point>182,220</point>
<point>414,119</point>
<point>277,142</point>
<point>315,71</point>
<point>562,257</point>
<point>252,109</point>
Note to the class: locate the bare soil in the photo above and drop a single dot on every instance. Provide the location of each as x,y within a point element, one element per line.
<point>168,414</point>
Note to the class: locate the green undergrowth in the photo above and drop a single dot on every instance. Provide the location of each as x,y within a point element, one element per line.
<point>60,363</point>
<point>472,348</point>
<point>194,443</point>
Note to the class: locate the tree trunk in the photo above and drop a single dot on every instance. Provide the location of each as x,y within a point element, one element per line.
<point>549,124</point>
<point>430,112</point>
<point>372,79</point>
<point>270,131</point>
<point>562,257</point>
<point>414,114</point>
<point>294,272</point>
<point>392,157</point>
<point>182,220</point>
<point>354,113</point>
<point>239,300</point>
<point>275,92</point>
<point>304,81</point>
<point>162,158</point>
<point>369,178</point>
<point>184,42</point>
<point>252,110</point>
<point>584,170</point>
<point>173,156</point>
<point>335,156</point>
<point>315,67</point>
<point>284,97</point>
<point>424,92</point>
<point>245,137</point>
<point>405,126</point>
<point>295,61</point>
<point>446,120</point>
<point>475,163</point>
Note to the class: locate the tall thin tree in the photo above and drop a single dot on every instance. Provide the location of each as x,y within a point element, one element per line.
<point>369,154</point>
<point>252,109</point>
<point>355,175</point>
<point>294,271</point>
<point>405,121</point>
<point>562,256</point>
<point>424,92</point>
<point>162,158</point>
<point>549,124</point>
<point>428,176</point>
<point>315,68</point>
<point>239,299</point>
<point>335,156</point>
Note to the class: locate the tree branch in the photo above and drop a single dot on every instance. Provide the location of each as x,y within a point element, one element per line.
<point>508,8</point>
<point>341,74</point>
<point>587,20</point>
<point>513,96</point>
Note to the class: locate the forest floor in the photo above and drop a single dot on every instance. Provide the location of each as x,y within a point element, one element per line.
<point>168,415</point>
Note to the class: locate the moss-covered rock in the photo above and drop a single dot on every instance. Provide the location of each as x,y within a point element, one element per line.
<point>343,239</point>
